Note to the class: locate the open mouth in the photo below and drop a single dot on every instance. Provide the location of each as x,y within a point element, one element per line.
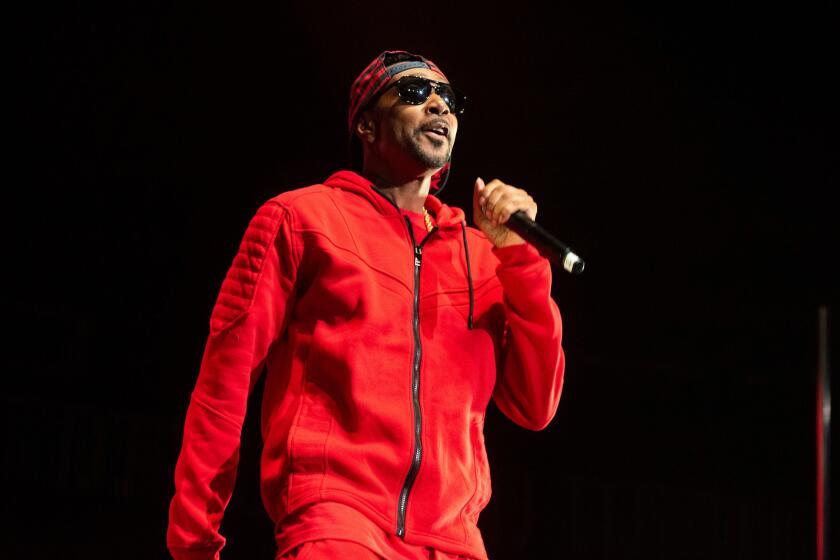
<point>437,128</point>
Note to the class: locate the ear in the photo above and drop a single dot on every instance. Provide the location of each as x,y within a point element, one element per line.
<point>366,127</point>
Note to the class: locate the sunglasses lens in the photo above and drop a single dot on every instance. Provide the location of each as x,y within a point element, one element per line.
<point>445,92</point>
<point>415,91</point>
<point>449,97</point>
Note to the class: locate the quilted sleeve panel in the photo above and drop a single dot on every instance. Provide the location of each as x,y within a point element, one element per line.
<point>239,286</point>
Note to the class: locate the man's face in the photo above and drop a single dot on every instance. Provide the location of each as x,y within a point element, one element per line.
<point>420,136</point>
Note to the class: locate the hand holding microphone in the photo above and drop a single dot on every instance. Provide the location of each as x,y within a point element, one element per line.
<point>505,214</point>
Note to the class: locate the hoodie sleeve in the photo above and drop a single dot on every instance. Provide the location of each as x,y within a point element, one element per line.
<point>248,316</point>
<point>530,378</point>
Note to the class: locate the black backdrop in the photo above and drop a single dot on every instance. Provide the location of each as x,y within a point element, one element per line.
<point>687,152</point>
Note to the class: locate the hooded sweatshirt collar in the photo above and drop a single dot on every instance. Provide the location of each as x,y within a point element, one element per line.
<point>446,217</point>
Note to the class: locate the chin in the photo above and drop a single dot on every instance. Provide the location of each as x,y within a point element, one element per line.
<point>433,158</point>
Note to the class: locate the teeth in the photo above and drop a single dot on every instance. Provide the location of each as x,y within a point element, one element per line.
<point>442,131</point>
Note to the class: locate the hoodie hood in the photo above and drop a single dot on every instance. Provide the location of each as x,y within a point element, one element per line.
<point>446,217</point>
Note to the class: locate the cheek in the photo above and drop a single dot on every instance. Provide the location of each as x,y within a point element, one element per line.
<point>389,136</point>
<point>407,134</point>
<point>399,130</point>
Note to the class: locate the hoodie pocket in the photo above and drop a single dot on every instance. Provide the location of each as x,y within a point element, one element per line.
<point>308,442</point>
<point>483,488</point>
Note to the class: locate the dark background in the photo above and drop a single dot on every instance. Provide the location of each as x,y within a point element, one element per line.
<point>688,153</point>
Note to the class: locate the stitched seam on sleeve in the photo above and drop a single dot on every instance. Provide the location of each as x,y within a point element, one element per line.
<point>217,413</point>
<point>293,241</point>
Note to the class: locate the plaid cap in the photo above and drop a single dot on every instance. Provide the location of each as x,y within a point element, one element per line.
<point>376,76</point>
<point>373,80</point>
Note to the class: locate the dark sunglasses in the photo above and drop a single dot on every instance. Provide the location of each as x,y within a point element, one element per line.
<point>415,90</point>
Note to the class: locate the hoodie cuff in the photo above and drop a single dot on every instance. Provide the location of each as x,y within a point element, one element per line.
<point>519,254</point>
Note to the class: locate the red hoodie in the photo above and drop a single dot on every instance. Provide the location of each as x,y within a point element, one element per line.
<point>381,352</point>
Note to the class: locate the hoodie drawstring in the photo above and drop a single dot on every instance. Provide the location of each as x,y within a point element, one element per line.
<point>469,275</point>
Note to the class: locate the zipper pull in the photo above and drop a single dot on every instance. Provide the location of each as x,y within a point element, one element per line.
<point>418,256</point>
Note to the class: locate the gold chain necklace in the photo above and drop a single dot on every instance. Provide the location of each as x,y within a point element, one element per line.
<point>428,219</point>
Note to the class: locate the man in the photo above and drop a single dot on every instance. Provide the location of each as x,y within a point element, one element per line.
<point>385,325</point>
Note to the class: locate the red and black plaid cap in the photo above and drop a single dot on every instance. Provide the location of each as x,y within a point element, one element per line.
<point>376,75</point>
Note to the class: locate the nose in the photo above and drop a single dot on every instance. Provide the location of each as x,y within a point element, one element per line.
<point>436,105</point>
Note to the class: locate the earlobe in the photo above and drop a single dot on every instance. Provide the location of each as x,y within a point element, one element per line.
<point>366,130</point>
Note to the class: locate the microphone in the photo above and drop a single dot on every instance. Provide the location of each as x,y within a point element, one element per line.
<point>549,246</point>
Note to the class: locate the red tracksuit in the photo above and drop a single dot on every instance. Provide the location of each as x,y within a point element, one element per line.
<point>382,349</point>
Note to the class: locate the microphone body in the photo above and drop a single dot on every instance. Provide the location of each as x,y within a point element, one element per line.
<point>549,246</point>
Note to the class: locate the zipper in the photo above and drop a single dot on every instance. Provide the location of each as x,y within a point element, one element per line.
<point>417,455</point>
